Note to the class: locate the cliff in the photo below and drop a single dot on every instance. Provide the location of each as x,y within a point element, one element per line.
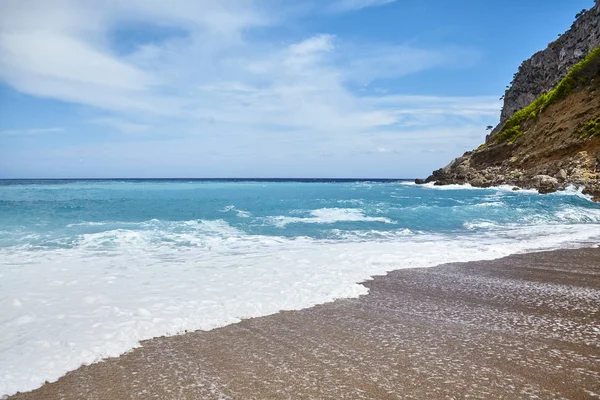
<point>546,68</point>
<point>549,133</point>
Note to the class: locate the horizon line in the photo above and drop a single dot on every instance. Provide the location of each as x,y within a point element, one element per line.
<point>210,179</point>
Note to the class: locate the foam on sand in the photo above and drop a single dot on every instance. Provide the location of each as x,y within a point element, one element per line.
<point>64,307</point>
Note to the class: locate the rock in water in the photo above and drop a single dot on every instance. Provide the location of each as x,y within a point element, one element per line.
<point>545,184</point>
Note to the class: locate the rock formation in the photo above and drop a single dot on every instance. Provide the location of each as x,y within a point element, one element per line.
<point>549,132</point>
<point>546,68</point>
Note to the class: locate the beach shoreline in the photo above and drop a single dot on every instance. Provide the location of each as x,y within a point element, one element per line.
<point>523,325</point>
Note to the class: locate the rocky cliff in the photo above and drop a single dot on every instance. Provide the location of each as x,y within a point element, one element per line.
<point>549,133</point>
<point>546,68</point>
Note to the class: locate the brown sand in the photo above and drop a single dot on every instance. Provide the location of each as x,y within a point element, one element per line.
<point>526,326</point>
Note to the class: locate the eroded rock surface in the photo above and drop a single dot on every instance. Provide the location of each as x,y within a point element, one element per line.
<point>546,68</point>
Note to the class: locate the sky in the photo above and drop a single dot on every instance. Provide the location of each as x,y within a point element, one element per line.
<point>257,88</point>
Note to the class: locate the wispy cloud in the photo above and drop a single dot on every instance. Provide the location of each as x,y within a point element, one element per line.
<point>387,61</point>
<point>121,125</point>
<point>32,131</point>
<point>347,5</point>
<point>214,83</point>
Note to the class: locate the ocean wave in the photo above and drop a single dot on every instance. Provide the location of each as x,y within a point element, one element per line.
<point>467,186</point>
<point>328,216</point>
<point>110,297</point>
<point>239,213</point>
<point>90,223</point>
<point>371,234</point>
<point>473,225</point>
<point>215,226</point>
<point>75,292</point>
<point>578,215</point>
<point>356,202</point>
<point>490,204</point>
<point>572,190</point>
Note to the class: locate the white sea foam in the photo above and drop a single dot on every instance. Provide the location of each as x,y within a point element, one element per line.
<point>239,213</point>
<point>570,190</point>
<point>578,215</point>
<point>87,223</point>
<point>490,204</point>
<point>66,307</point>
<point>481,224</point>
<point>329,216</point>
<point>352,201</point>
<point>573,190</point>
<point>467,186</point>
<point>372,234</point>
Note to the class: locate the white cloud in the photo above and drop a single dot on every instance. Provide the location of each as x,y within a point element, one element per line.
<point>54,59</point>
<point>216,81</point>
<point>308,52</point>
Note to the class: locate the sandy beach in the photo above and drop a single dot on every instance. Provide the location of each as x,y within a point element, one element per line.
<point>525,326</point>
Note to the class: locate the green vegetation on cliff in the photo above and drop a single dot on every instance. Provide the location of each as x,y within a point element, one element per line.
<point>579,75</point>
<point>591,129</point>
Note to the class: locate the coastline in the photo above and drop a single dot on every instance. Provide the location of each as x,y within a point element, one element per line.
<point>523,325</point>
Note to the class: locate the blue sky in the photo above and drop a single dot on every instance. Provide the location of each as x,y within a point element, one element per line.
<point>263,88</point>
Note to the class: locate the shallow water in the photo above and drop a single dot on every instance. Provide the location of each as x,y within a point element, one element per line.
<point>90,268</point>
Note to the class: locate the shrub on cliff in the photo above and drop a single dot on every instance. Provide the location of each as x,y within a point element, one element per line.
<point>579,75</point>
<point>591,129</point>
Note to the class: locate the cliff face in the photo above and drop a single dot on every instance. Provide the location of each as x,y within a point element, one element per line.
<point>546,68</point>
<point>561,147</point>
<point>549,134</point>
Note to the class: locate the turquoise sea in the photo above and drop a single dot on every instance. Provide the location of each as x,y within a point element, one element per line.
<point>88,268</point>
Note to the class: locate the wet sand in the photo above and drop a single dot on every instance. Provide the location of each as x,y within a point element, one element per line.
<point>526,326</point>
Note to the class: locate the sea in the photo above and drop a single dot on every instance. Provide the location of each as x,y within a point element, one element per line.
<point>89,268</point>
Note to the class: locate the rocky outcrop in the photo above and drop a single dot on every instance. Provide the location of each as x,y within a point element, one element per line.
<point>549,134</point>
<point>581,170</point>
<point>546,68</point>
<point>554,151</point>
